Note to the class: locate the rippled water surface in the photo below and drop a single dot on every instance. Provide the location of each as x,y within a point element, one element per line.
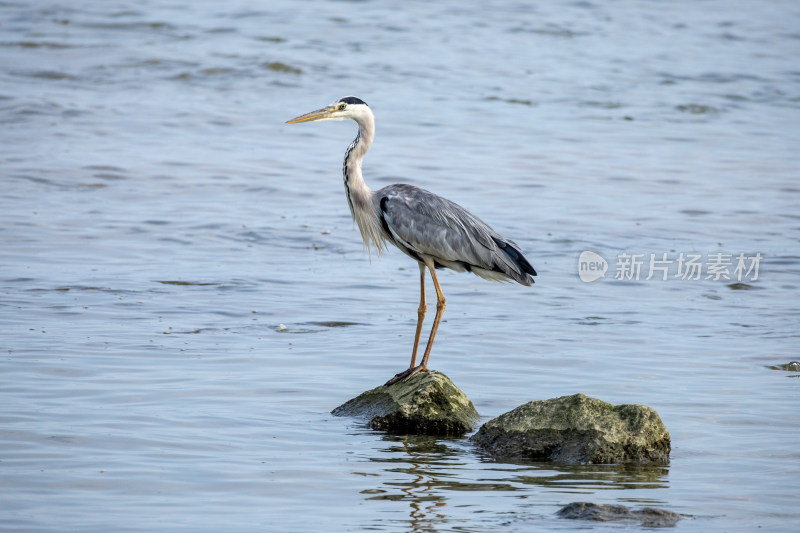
<point>183,298</point>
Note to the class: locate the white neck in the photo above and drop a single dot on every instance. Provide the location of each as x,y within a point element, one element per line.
<point>359,195</point>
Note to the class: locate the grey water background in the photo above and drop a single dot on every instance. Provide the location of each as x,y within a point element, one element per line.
<point>183,298</point>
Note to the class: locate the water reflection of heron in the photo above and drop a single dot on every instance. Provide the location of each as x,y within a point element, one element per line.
<point>422,458</point>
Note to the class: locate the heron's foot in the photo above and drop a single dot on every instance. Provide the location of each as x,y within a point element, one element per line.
<point>404,375</point>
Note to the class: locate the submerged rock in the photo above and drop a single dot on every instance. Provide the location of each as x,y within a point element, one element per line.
<point>577,430</point>
<point>647,516</point>
<point>791,366</point>
<point>426,403</point>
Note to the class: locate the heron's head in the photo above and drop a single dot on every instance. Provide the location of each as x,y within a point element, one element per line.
<point>344,108</point>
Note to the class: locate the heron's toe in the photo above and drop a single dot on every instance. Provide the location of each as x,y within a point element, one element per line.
<point>404,375</point>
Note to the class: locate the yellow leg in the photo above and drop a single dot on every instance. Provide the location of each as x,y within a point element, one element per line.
<point>420,314</point>
<point>440,305</point>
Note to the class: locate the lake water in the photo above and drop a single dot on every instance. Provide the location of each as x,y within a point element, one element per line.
<point>183,298</point>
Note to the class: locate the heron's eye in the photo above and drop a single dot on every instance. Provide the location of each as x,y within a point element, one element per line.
<point>342,106</point>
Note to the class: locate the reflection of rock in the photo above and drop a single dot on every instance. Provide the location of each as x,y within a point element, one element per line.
<point>426,403</point>
<point>647,516</point>
<point>577,430</point>
<point>594,477</point>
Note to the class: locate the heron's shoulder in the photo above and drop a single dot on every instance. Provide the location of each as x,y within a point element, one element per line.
<point>402,191</point>
<point>403,196</point>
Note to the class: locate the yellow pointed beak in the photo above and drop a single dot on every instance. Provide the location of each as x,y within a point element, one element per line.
<point>319,114</point>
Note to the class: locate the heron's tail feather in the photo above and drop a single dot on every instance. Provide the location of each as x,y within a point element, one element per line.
<point>522,270</point>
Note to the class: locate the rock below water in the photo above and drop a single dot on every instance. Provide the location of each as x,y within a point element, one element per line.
<point>577,430</point>
<point>647,516</point>
<point>427,403</point>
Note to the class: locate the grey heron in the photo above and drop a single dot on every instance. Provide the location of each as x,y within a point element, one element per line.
<point>432,230</point>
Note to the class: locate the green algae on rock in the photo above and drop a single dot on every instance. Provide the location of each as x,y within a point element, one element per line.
<point>577,429</point>
<point>427,403</point>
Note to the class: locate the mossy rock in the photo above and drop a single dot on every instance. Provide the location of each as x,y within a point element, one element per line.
<point>577,430</point>
<point>427,403</point>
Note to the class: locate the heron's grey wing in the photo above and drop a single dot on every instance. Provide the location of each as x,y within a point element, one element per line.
<point>424,224</point>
